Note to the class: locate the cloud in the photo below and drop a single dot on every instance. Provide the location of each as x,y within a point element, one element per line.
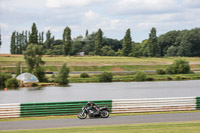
<point>69,3</point>
<point>131,7</point>
<point>90,15</point>
<point>191,3</point>
<point>4,26</point>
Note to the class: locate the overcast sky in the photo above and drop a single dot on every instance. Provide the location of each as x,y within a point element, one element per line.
<point>114,17</point>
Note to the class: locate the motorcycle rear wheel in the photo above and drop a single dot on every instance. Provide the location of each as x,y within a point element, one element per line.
<point>104,114</point>
<point>82,115</point>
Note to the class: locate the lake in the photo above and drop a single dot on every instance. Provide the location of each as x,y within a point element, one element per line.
<point>102,91</point>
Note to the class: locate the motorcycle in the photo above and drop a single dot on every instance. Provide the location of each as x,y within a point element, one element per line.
<point>103,113</point>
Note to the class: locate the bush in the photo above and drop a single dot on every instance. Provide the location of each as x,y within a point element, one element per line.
<point>106,77</point>
<point>169,70</point>
<point>40,74</point>
<point>178,78</point>
<point>12,83</point>
<point>180,66</point>
<point>84,75</point>
<point>63,75</point>
<point>169,78</point>
<point>3,78</point>
<point>160,71</point>
<point>150,79</point>
<point>140,76</point>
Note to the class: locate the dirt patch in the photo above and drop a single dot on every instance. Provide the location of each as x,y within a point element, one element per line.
<point>11,55</point>
<point>117,69</point>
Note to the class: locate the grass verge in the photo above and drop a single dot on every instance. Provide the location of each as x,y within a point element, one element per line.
<point>169,127</point>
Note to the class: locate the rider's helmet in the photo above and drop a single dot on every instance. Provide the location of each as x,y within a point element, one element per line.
<point>90,103</point>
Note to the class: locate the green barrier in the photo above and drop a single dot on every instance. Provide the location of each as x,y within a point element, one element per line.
<point>58,108</point>
<point>198,103</point>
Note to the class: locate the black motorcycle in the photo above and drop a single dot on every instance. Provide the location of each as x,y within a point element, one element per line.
<point>103,113</point>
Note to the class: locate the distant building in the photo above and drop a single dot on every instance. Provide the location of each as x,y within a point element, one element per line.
<point>81,54</point>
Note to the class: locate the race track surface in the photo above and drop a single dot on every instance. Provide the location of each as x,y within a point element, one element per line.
<point>114,120</point>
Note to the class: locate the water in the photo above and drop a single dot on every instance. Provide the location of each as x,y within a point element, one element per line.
<point>102,91</point>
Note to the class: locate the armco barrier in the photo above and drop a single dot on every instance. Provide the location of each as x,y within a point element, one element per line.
<point>58,108</point>
<point>115,106</point>
<point>198,103</point>
<point>153,104</point>
<point>9,110</point>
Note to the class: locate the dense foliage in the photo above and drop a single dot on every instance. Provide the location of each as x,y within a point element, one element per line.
<point>106,77</point>
<point>180,66</point>
<point>18,69</point>
<point>84,75</point>
<point>33,56</point>
<point>140,76</point>
<point>62,77</point>
<point>172,43</point>
<point>3,78</point>
<point>12,83</point>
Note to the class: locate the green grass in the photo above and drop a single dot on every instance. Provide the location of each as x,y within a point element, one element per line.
<point>169,127</point>
<point>99,63</point>
<point>131,77</point>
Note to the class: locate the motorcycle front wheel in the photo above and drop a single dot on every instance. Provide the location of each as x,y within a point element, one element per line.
<point>82,115</point>
<point>104,114</point>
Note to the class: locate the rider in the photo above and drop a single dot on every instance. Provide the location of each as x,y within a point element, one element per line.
<point>93,106</point>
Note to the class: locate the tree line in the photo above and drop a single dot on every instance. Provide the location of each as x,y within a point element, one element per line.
<point>172,43</point>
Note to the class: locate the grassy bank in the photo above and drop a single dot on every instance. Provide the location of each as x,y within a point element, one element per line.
<point>99,63</point>
<point>131,77</point>
<point>169,127</point>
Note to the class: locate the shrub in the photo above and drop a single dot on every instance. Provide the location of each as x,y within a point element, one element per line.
<point>169,78</point>
<point>84,75</point>
<point>106,77</point>
<point>40,74</point>
<point>180,66</point>
<point>160,71</point>
<point>169,70</point>
<point>12,83</point>
<point>63,75</point>
<point>178,78</point>
<point>3,78</point>
<point>150,79</point>
<point>140,76</point>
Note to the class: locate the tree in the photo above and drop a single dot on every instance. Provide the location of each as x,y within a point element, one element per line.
<point>33,35</point>
<point>127,43</point>
<point>63,75</point>
<point>48,39</point>
<point>33,56</point>
<point>0,39</point>
<point>12,44</point>
<point>67,41</point>
<point>18,69</point>
<point>98,42</point>
<point>152,43</point>
<point>86,34</point>
<point>40,74</point>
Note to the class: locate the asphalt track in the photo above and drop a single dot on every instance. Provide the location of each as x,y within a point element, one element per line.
<point>114,120</point>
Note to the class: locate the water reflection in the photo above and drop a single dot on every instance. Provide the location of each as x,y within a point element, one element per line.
<point>102,91</point>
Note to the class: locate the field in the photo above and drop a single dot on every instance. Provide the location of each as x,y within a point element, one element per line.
<point>171,127</point>
<point>98,63</point>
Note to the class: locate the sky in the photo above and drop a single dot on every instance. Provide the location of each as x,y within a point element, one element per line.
<point>114,17</point>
